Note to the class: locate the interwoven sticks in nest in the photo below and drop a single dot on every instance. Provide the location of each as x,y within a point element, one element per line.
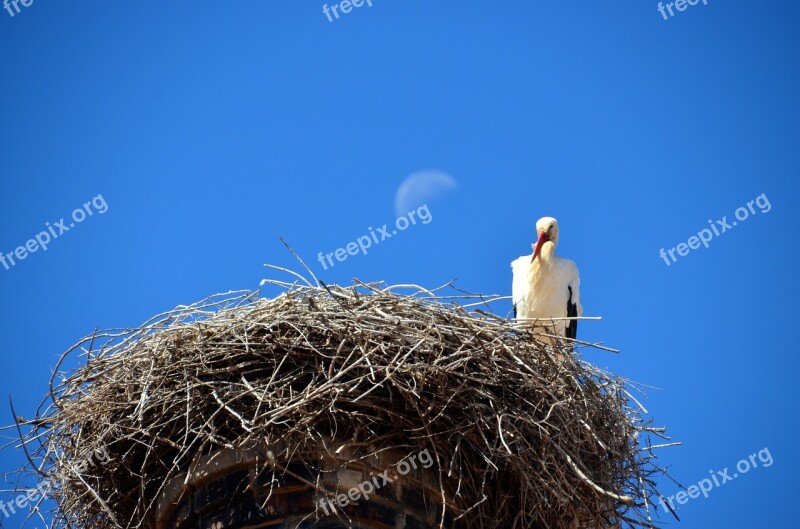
<point>519,439</point>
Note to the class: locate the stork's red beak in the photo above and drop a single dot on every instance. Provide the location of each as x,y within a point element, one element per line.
<point>538,248</point>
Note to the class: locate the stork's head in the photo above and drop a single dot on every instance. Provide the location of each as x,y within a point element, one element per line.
<point>546,231</point>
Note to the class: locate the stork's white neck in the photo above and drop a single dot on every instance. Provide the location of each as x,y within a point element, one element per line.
<point>546,254</point>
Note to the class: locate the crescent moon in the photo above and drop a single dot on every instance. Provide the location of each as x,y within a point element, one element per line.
<point>420,187</point>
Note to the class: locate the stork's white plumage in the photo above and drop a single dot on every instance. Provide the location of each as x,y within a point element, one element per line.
<point>545,285</point>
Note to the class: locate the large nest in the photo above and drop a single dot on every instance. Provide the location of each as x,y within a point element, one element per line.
<point>521,438</point>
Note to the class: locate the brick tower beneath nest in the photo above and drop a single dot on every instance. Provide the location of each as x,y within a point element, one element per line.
<point>238,489</point>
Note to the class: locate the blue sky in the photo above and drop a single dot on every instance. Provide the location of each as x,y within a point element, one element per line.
<point>210,128</point>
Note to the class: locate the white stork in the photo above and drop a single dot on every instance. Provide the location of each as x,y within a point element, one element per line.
<point>545,285</point>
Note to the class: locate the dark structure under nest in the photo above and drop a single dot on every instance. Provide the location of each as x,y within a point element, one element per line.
<point>346,376</point>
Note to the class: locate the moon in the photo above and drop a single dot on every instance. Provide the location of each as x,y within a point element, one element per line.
<point>420,187</point>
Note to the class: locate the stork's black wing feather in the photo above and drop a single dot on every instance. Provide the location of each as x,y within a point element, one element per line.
<point>572,312</point>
